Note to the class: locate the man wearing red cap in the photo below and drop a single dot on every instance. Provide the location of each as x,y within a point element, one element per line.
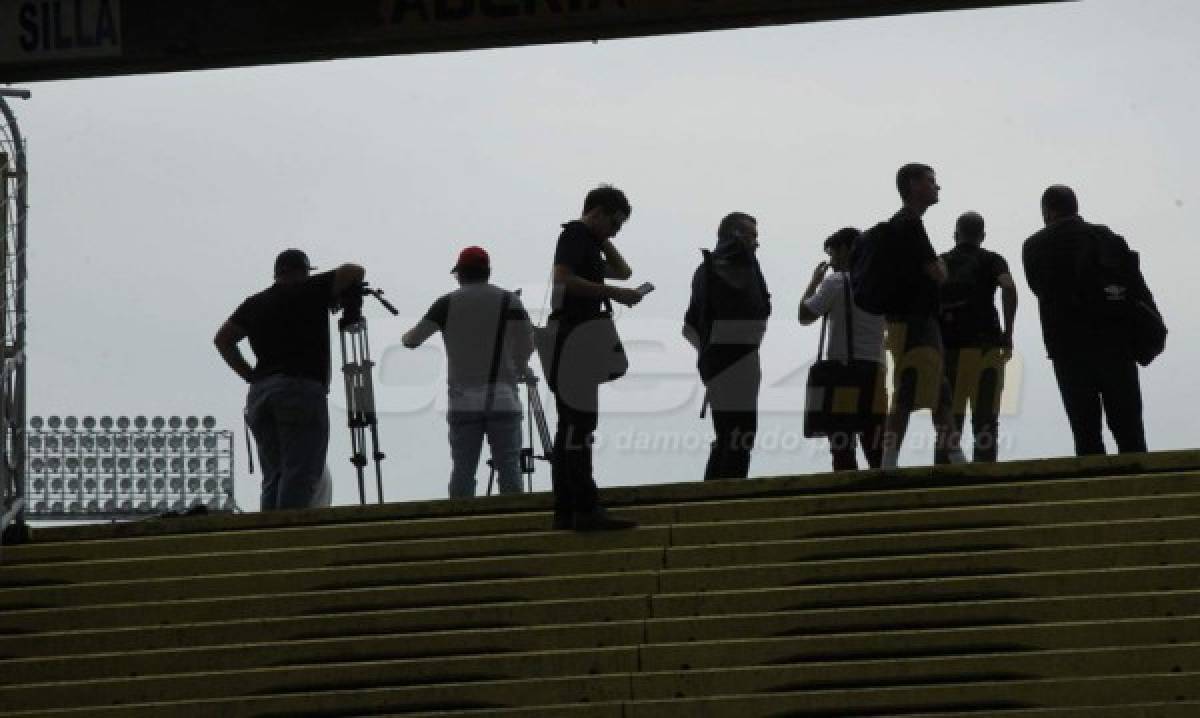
<point>288,328</point>
<point>488,341</point>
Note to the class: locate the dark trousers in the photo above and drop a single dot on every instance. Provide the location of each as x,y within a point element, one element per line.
<point>1096,385</point>
<point>733,398</point>
<point>843,446</point>
<point>975,381</point>
<point>571,467</point>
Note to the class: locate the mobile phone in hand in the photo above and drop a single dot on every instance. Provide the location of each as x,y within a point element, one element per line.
<point>645,289</point>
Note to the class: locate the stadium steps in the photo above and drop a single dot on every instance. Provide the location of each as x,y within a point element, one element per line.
<point>1061,588</point>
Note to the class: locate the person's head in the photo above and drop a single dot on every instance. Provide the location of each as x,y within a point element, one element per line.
<point>969,229</point>
<point>292,265</point>
<point>917,185</point>
<point>1059,202</point>
<point>605,210</point>
<point>473,266</point>
<point>738,232</point>
<point>839,246</point>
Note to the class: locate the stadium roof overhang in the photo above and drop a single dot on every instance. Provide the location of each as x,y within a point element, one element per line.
<point>60,39</point>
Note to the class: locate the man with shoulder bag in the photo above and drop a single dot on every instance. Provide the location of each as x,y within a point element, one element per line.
<point>488,341</point>
<point>847,392</point>
<point>725,322</point>
<point>1099,322</point>
<point>579,350</point>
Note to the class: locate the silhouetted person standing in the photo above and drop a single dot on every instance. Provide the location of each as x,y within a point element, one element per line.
<point>826,297</point>
<point>977,346</point>
<point>583,258</point>
<point>913,334</point>
<point>286,407</point>
<point>1092,355</point>
<point>725,322</point>
<point>488,341</point>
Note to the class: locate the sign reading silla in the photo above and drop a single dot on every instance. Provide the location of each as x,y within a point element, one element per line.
<point>59,29</point>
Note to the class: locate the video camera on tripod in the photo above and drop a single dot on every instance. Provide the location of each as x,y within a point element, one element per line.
<point>360,392</point>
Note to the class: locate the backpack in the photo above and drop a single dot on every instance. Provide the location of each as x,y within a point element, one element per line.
<point>1114,288</point>
<point>963,319</point>
<point>877,288</point>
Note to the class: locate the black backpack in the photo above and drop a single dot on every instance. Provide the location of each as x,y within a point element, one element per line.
<point>877,287</point>
<point>1114,289</point>
<point>963,319</point>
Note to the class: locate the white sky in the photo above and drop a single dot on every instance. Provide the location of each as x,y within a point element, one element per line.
<point>159,202</point>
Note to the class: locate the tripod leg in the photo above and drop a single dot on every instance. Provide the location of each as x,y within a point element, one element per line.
<point>377,454</point>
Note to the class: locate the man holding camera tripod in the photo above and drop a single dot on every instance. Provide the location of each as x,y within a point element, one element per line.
<point>286,408</point>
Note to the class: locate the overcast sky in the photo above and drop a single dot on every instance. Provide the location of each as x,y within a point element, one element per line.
<point>158,203</point>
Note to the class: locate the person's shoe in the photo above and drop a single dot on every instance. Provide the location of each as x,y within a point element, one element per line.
<point>956,456</point>
<point>563,522</point>
<point>599,519</point>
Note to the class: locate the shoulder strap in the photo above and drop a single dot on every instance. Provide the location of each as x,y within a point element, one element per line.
<point>496,351</point>
<point>849,304</point>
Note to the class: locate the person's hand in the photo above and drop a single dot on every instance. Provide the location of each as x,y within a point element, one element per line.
<point>820,271</point>
<point>1006,349</point>
<point>628,297</point>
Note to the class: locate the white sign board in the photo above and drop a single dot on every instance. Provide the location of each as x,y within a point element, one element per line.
<point>40,30</point>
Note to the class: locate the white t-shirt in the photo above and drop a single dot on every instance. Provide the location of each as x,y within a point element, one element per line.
<point>830,299</point>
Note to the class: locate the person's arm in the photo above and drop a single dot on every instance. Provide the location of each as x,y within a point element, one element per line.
<point>433,322</point>
<point>696,313</point>
<point>936,270</point>
<point>572,283</point>
<point>615,266</point>
<point>1008,301</point>
<point>416,336</point>
<point>805,314</point>
<point>1030,261</point>
<point>226,341</point>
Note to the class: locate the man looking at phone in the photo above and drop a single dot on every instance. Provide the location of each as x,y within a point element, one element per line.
<point>584,257</point>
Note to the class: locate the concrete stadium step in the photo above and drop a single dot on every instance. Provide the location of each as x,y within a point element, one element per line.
<point>469,577</point>
<point>896,498</point>
<point>481,628</point>
<point>729,707</point>
<point>1016,613</point>
<point>1010,482</point>
<point>533,625</point>
<point>1186,511</point>
<point>651,656</point>
<point>326,600</point>
<point>633,583</point>
<point>994,698</point>
<point>999,679</point>
<point>1138,579</point>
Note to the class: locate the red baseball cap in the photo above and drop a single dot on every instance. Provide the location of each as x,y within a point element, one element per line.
<point>472,257</point>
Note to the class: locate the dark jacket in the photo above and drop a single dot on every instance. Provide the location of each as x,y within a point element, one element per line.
<point>728,310</point>
<point>1067,265</point>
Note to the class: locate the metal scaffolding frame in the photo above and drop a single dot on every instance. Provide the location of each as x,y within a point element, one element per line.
<point>14,203</point>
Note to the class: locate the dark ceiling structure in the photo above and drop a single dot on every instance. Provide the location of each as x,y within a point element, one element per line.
<point>61,39</point>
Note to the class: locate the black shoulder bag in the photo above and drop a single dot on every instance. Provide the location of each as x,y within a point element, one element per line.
<point>842,394</point>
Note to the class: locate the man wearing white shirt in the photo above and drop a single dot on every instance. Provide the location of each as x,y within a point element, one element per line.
<point>826,297</point>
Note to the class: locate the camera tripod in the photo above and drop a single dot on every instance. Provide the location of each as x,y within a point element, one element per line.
<point>360,392</point>
<point>536,416</point>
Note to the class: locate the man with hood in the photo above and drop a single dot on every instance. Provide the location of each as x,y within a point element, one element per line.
<point>725,321</point>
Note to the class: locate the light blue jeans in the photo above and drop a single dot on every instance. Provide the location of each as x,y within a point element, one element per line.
<point>289,417</point>
<point>503,432</point>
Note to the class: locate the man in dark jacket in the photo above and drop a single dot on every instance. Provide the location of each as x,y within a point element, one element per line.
<point>1067,265</point>
<point>725,322</point>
